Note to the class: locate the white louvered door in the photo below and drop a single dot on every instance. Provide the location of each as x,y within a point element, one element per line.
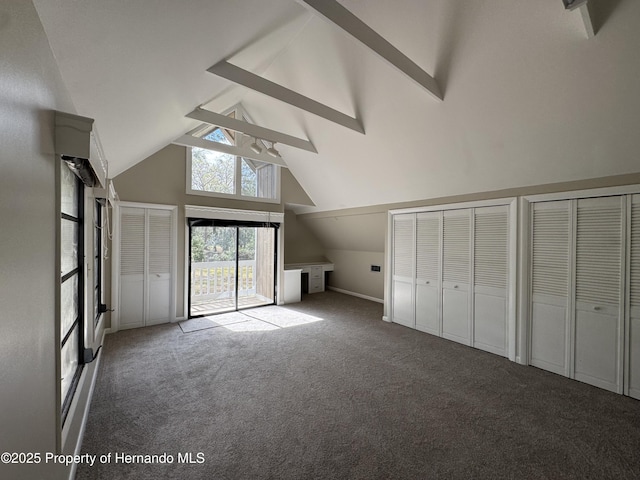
<point>456,271</point>
<point>159,272</point>
<point>491,261</point>
<point>633,329</point>
<point>403,269</point>
<point>599,264</point>
<point>428,271</point>
<point>550,286</point>
<point>146,246</point>
<point>132,267</point>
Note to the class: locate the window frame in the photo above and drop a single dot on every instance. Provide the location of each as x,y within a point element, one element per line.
<point>237,112</point>
<point>66,397</point>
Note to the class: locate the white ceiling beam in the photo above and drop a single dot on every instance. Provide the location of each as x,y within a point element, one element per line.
<point>191,141</point>
<point>250,129</point>
<point>586,19</point>
<point>343,18</point>
<point>583,7</point>
<point>254,82</point>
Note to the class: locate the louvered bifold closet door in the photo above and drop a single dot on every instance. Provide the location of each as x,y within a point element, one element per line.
<point>491,276</point>
<point>159,273</point>
<point>403,268</point>
<point>550,285</point>
<point>599,262</point>
<point>428,271</point>
<point>456,270</point>
<point>132,267</point>
<point>633,339</point>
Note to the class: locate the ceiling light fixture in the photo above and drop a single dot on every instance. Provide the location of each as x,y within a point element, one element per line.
<point>255,147</point>
<point>272,150</point>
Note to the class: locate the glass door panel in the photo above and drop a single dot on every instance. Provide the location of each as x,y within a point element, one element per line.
<point>213,270</point>
<point>256,259</point>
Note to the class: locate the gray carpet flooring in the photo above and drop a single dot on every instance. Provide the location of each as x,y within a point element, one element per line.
<point>339,394</point>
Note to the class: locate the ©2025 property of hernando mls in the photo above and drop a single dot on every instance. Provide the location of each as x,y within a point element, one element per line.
<point>469,168</point>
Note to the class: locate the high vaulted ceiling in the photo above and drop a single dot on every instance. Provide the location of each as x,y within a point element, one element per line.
<point>528,99</point>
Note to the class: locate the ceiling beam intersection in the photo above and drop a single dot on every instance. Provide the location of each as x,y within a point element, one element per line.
<point>250,80</point>
<point>347,21</point>
<point>250,129</point>
<point>191,141</point>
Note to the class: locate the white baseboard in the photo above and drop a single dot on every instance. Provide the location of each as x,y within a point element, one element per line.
<point>85,414</point>
<point>354,294</point>
<point>386,319</point>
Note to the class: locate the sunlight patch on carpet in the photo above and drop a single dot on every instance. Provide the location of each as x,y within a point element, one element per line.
<point>260,319</point>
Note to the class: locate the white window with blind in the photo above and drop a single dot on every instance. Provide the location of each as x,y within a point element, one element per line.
<point>453,272</point>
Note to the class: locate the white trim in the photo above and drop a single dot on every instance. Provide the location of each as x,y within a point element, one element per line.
<point>595,192</point>
<point>359,295</point>
<point>455,206</point>
<point>85,414</point>
<point>512,288</point>
<point>523,275</point>
<point>216,213</point>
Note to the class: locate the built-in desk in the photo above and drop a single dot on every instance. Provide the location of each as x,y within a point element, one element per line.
<point>315,271</point>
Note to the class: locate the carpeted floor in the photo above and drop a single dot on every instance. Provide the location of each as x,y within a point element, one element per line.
<point>339,394</point>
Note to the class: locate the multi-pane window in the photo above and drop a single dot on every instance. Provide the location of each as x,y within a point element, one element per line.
<point>224,175</point>
<point>71,287</point>
<point>97,260</point>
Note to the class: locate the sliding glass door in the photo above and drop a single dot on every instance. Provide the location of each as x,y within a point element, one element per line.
<point>232,266</point>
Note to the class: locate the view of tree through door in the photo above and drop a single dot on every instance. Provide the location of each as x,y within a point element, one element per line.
<point>231,267</point>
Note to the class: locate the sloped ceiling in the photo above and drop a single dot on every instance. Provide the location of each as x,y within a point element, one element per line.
<point>528,98</point>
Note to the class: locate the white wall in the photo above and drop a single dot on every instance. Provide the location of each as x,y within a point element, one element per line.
<point>31,88</point>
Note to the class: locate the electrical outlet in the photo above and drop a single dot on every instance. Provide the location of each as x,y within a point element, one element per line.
<point>375,268</point>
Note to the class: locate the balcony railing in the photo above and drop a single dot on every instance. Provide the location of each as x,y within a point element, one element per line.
<point>217,280</point>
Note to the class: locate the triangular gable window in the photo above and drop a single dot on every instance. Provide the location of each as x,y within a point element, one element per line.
<point>220,174</point>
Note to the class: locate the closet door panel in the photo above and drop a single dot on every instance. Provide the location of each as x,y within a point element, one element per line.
<point>456,275</point>
<point>160,277</point>
<point>597,349</point>
<point>599,262</point>
<point>549,337</point>
<point>132,267</point>
<point>491,273</point>
<point>455,315</point>
<point>428,267</point>
<point>633,340</point>
<point>550,271</point>
<point>490,322</point>
<point>427,309</point>
<point>403,265</point>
